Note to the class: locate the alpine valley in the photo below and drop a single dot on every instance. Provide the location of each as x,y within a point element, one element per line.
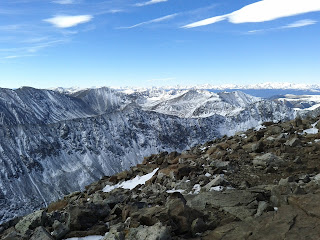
<point>54,142</point>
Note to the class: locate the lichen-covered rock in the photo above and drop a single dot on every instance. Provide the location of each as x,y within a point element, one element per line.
<point>30,222</point>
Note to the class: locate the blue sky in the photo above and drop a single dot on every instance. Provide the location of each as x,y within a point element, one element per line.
<point>50,43</point>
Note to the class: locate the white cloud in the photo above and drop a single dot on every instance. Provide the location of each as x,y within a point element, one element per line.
<point>64,1</point>
<point>68,21</point>
<point>262,11</point>
<point>297,24</point>
<point>115,11</point>
<point>40,46</point>
<point>12,27</point>
<point>11,57</point>
<point>161,19</point>
<point>301,23</point>
<point>150,2</point>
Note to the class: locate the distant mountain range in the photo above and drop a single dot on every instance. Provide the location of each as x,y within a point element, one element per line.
<point>264,90</point>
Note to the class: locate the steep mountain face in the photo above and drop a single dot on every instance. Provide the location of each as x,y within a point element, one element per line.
<point>260,184</point>
<point>52,143</point>
<point>102,99</point>
<point>34,106</point>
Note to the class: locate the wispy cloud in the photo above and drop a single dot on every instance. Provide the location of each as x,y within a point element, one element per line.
<point>17,56</point>
<point>40,46</point>
<point>64,1</point>
<point>157,20</point>
<point>12,27</point>
<point>301,23</point>
<point>115,10</point>
<point>35,39</point>
<point>297,24</point>
<point>28,50</point>
<point>62,21</point>
<point>150,2</point>
<point>262,11</point>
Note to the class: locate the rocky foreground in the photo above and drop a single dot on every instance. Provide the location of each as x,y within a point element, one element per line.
<point>260,184</point>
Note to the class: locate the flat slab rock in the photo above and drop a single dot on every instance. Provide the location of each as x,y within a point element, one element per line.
<point>234,202</point>
<point>290,222</point>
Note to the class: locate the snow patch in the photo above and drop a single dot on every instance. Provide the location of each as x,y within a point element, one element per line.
<point>196,189</point>
<point>131,184</point>
<point>175,190</point>
<point>312,130</point>
<point>259,127</point>
<point>217,188</point>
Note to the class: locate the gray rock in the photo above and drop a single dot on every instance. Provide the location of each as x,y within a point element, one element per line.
<point>258,147</point>
<point>299,191</point>
<point>317,178</point>
<point>60,230</point>
<point>221,164</point>
<point>268,159</point>
<point>219,180</point>
<point>113,234</point>
<point>198,226</point>
<point>262,207</point>
<point>235,202</point>
<point>155,232</point>
<point>82,217</point>
<point>294,142</point>
<point>30,222</point>
<point>13,236</point>
<point>41,233</point>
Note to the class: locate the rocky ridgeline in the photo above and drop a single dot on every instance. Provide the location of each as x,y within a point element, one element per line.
<point>260,184</point>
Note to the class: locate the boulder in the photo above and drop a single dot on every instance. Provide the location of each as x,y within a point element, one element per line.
<point>155,232</point>
<point>262,207</point>
<point>268,159</point>
<point>257,147</point>
<point>294,142</point>
<point>30,222</point>
<point>234,202</point>
<point>12,235</point>
<point>41,233</point>
<point>59,230</point>
<point>82,217</point>
<point>115,233</point>
<point>198,226</point>
<point>219,180</point>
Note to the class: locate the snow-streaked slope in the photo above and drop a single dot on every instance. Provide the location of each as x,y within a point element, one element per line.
<point>301,102</point>
<point>195,103</point>
<point>102,99</point>
<point>40,163</point>
<point>34,106</point>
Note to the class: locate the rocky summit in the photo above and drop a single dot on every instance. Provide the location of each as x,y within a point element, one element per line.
<point>260,184</point>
